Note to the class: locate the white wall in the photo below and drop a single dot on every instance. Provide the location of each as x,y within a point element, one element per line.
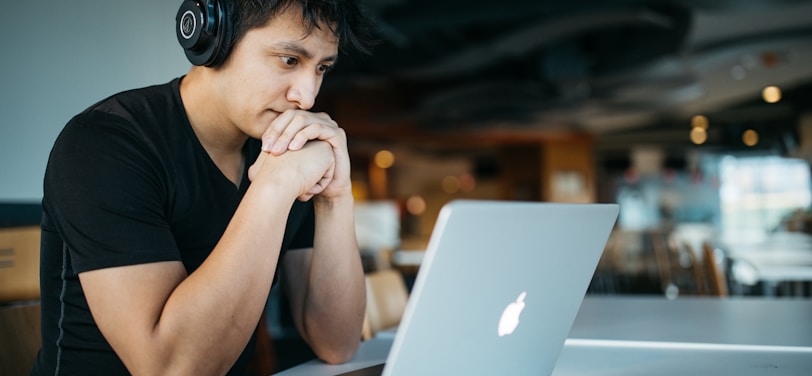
<point>59,57</point>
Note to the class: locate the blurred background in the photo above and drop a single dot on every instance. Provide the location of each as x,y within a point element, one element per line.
<point>694,115</point>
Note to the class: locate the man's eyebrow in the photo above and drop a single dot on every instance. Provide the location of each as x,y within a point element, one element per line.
<point>301,51</point>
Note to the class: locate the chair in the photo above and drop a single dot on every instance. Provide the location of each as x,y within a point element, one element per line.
<point>605,278</point>
<point>19,299</point>
<point>680,271</point>
<point>263,361</point>
<point>386,301</point>
<point>19,264</point>
<point>714,267</point>
<point>19,338</point>
<point>698,270</point>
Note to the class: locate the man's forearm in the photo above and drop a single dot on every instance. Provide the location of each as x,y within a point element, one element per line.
<point>161,321</point>
<point>336,298</point>
<point>226,294</point>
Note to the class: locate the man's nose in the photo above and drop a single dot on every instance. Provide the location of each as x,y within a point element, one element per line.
<point>303,90</point>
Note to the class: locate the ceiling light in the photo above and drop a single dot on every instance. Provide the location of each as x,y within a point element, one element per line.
<point>771,59</point>
<point>699,135</point>
<point>416,205</point>
<point>699,121</point>
<point>384,159</point>
<point>750,137</point>
<point>771,94</point>
<point>467,182</point>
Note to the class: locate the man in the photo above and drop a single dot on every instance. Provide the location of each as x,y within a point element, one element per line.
<point>157,253</point>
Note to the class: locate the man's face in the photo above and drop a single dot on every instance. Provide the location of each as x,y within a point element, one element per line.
<point>275,68</point>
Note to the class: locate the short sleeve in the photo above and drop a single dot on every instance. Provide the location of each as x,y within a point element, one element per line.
<point>106,189</point>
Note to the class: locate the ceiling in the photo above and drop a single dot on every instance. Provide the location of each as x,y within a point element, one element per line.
<point>620,70</point>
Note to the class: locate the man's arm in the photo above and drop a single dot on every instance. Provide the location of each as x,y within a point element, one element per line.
<point>161,321</point>
<point>326,284</point>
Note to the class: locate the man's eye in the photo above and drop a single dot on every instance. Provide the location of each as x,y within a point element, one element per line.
<point>324,68</point>
<point>287,60</point>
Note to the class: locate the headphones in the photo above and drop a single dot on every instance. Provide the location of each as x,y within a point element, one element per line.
<point>202,27</point>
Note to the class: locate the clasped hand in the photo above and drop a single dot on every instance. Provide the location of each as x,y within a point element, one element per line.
<point>319,168</point>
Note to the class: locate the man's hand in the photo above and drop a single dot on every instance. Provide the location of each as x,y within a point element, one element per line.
<point>294,128</point>
<point>309,170</point>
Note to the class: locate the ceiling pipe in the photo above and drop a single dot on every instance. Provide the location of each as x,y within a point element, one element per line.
<point>533,38</point>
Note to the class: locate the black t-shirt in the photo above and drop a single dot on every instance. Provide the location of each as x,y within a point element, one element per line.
<point>127,183</point>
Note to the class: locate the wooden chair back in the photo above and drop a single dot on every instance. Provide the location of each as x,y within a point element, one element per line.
<point>681,272</point>
<point>19,299</point>
<point>386,301</point>
<point>19,338</point>
<point>714,268</point>
<point>19,264</point>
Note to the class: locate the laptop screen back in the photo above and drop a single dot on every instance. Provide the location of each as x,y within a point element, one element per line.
<point>499,287</point>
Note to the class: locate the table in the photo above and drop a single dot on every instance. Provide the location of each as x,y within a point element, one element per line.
<point>654,336</point>
<point>784,257</point>
<point>642,360</point>
<point>733,321</point>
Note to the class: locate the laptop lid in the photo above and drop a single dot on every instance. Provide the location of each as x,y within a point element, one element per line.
<point>499,287</point>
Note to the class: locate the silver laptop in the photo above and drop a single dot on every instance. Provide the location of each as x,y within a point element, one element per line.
<point>499,287</point>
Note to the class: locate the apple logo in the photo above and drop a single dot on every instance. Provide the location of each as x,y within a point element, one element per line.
<point>510,316</point>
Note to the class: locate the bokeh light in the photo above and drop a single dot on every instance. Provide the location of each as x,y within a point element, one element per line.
<point>384,159</point>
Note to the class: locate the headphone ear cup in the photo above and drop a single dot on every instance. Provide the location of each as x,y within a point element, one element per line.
<point>199,26</point>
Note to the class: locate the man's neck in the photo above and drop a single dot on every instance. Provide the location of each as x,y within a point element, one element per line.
<point>219,137</point>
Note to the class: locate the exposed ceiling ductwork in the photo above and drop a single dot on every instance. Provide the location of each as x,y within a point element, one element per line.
<point>594,66</point>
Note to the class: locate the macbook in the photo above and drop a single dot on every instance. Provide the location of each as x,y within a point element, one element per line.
<point>498,288</point>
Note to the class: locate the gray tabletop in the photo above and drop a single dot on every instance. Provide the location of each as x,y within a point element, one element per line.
<point>652,335</point>
<point>742,321</point>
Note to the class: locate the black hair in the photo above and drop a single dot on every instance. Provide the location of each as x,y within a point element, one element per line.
<point>344,18</point>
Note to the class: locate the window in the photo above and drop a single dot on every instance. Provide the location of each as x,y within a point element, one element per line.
<point>757,192</point>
